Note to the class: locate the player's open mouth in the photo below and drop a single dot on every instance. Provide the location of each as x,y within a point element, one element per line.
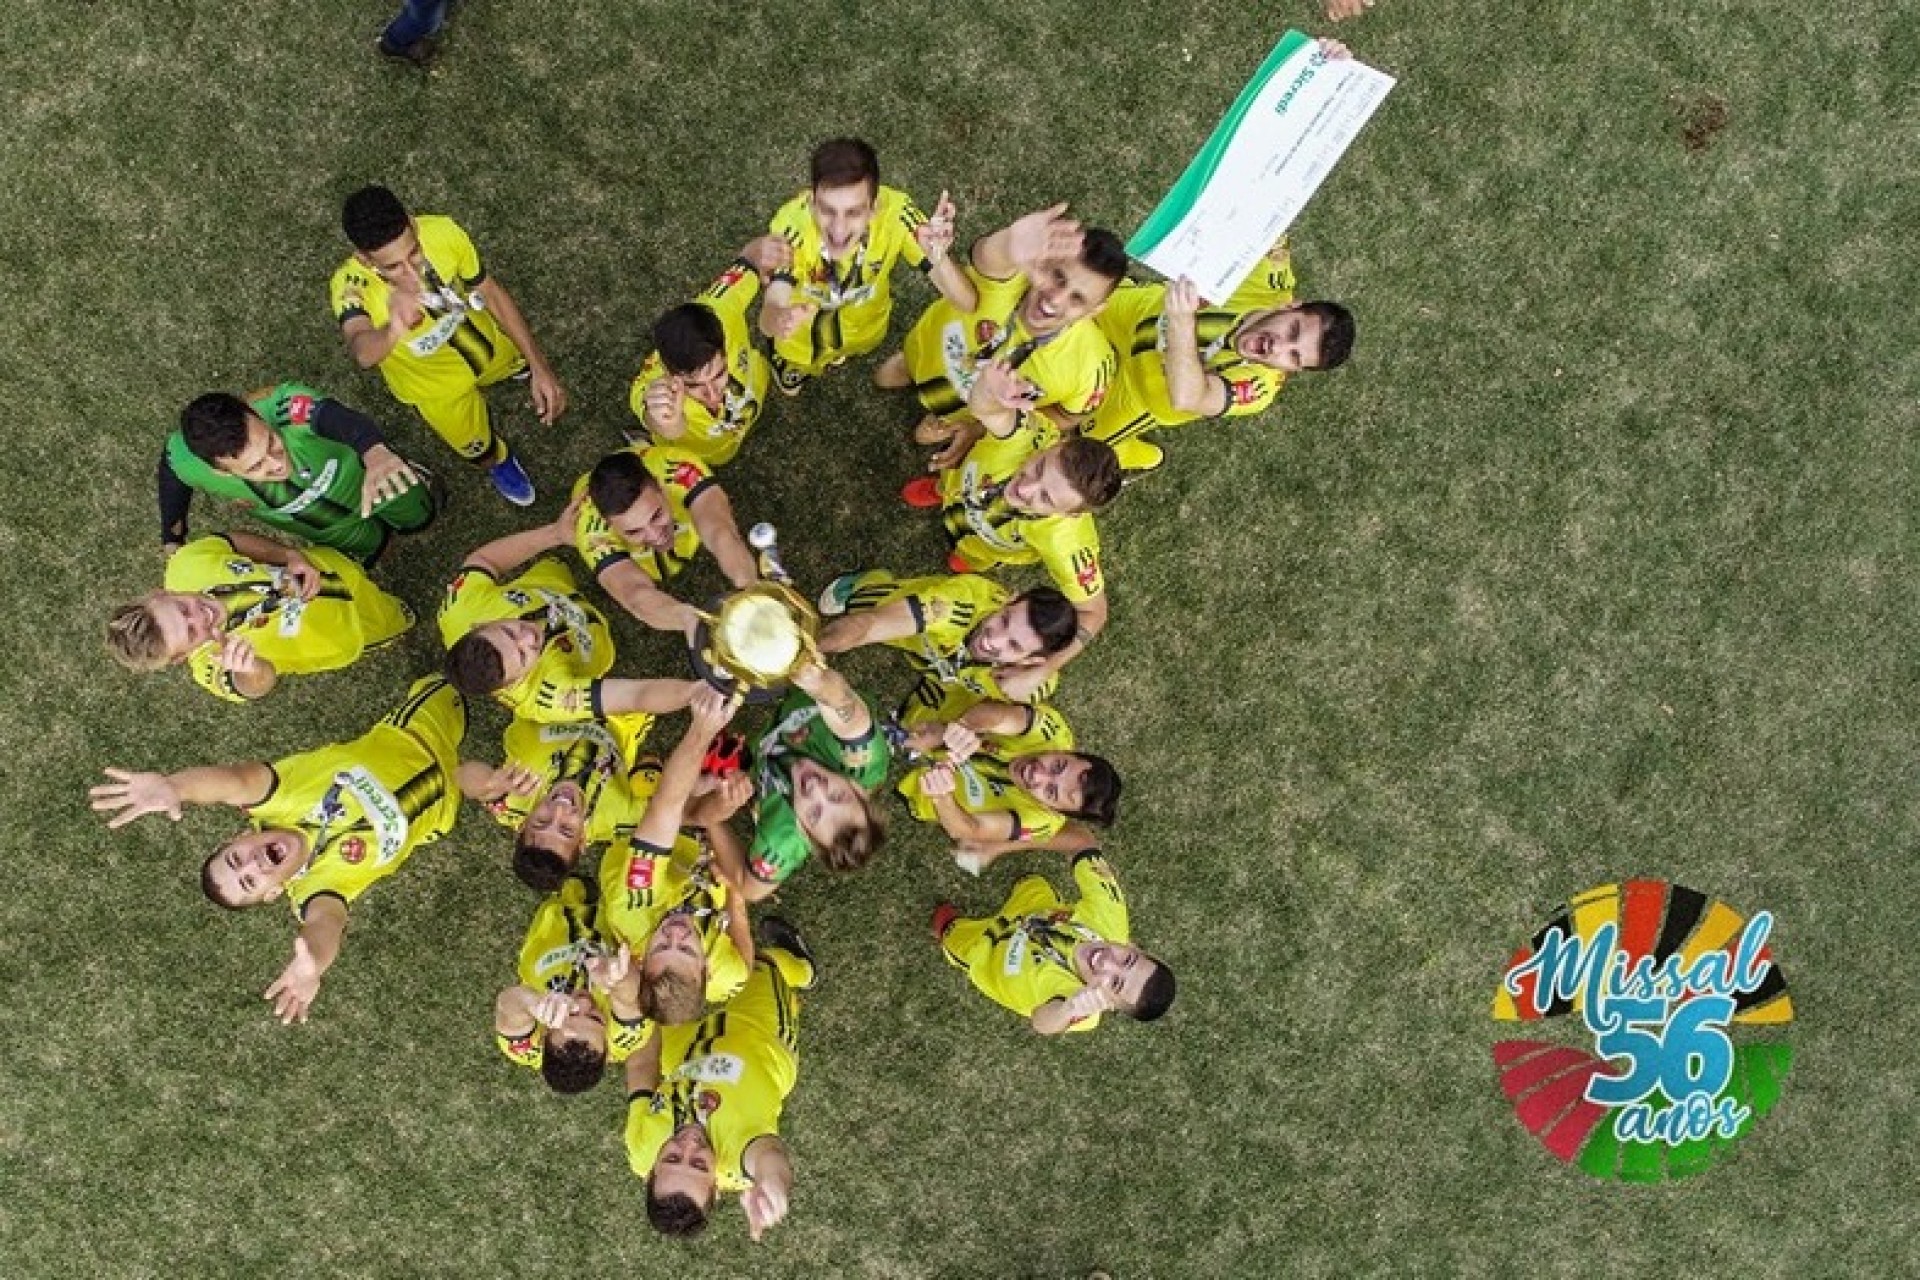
<point>1257,344</point>
<point>567,793</point>
<point>276,852</point>
<point>1043,312</point>
<point>1022,772</point>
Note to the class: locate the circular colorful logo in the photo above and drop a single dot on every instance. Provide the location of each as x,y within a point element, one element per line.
<point>1673,1005</point>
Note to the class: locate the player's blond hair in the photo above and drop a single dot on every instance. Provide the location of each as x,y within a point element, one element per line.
<point>673,997</point>
<point>134,640</point>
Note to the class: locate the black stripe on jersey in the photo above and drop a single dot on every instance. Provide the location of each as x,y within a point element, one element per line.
<point>422,791</point>
<point>273,785</point>
<point>472,346</point>
<point>938,395</point>
<point>640,1095</point>
<point>324,893</point>
<point>416,698</point>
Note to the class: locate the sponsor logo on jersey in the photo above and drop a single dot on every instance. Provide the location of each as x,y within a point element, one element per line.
<point>686,475</point>
<point>315,490</point>
<point>1243,391</point>
<point>712,1068</point>
<point>639,872</point>
<point>353,850</point>
<point>1086,570</point>
<point>382,810</point>
<point>299,408</point>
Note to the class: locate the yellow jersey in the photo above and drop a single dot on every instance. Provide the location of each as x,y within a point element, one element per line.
<point>598,755</point>
<point>346,616</point>
<point>1134,321</point>
<point>682,477</point>
<point>946,700</point>
<point>1022,956</point>
<point>563,683</point>
<point>456,340</point>
<point>985,787</point>
<point>986,530</point>
<point>729,1073</point>
<point>854,297</point>
<point>564,935</point>
<point>715,437</point>
<point>364,806</point>
<point>640,885</point>
<point>945,351</point>
<point>945,611</point>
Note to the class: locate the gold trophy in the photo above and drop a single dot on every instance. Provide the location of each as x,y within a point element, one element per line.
<point>757,637</point>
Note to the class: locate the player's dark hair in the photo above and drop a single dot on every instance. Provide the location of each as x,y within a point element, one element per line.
<point>841,162</point>
<point>573,1067</point>
<point>688,336</point>
<point>1336,332</point>
<point>1099,791</point>
<point>1156,996</point>
<point>539,868</point>
<point>215,426</point>
<point>1092,468</point>
<point>617,481</point>
<point>1102,253</point>
<point>474,666</point>
<point>372,217</point>
<point>678,1215</point>
<point>855,843</point>
<point>1051,615</point>
<point>211,887</point>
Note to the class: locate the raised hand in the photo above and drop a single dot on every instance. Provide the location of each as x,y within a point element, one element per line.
<point>1042,235</point>
<point>935,235</point>
<point>237,656</point>
<point>403,312</point>
<point>960,741</point>
<point>606,969</point>
<point>134,795</point>
<point>294,990</point>
<point>300,574</point>
<point>938,780</point>
<point>662,399</point>
<point>549,397</point>
<point>765,1203</point>
<point>388,476</point>
<point>1183,300</point>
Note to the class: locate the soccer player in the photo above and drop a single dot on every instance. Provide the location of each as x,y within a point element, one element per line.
<point>704,1101</point>
<point>576,1005</point>
<point>1060,965</point>
<point>297,461</point>
<point>815,771</point>
<point>241,611</point>
<point>562,788</point>
<point>644,513</point>
<point>705,383</point>
<point>327,823</point>
<point>847,233</point>
<point>681,912</point>
<point>996,793</point>
<point>1182,361</point>
<point>533,642</point>
<point>962,630</point>
<point>415,301</point>
<point>1040,282</point>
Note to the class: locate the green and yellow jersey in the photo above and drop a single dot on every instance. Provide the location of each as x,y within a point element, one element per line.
<point>855,295</point>
<point>1022,956</point>
<point>563,936</point>
<point>457,341</point>
<point>799,732</point>
<point>945,351</point>
<point>347,615</point>
<point>563,684</point>
<point>364,806</point>
<point>682,477</point>
<point>715,437</point>
<point>1134,321</point>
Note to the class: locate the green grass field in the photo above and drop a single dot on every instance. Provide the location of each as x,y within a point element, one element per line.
<point>1597,561</point>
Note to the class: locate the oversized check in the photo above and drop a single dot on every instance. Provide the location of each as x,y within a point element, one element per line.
<point>1266,158</point>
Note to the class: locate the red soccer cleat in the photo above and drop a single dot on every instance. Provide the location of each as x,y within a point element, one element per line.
<point>943,917</point>
<point>958,563</point>
<point>921,493</point>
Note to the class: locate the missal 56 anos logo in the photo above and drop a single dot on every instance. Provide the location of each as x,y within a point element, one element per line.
<point>1668,1013</point>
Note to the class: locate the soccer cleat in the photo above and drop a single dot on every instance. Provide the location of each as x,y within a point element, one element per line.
<point>922,493</point>
<point>726,756</point>
<point>511,481</point>
<point>943,917</point>
<point>838,594</point>
<point>418,54</point>
<point>786,378</point>
<point>971,863</point>
<point>778,933</point>
<point>959,564</point>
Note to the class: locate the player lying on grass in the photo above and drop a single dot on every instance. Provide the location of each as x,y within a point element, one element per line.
<point>563,788</point>
<point>1040,282</point>
<point>705,383</point>
<point>577,1004</point>
<point>416,302</point>
<point>533,642</point>
<point>1008,780</point>
<point>704,1101</point>
<point>959,629</point>
<point>1060,965</point>
<point>327,823</point>
<point>297,461</point>
<point>643,515</point>
<point>847,233</point>
<point>1022,496</point>
<point>241,611</point>
<point>662,895</point>
<point>1183,359</point>
<point>815,772</point>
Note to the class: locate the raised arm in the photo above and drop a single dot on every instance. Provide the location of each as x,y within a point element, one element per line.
<point>712,513</point>
<point>503,555</point>
<point>549,397</point>
<point>651,605</point>
<point>323,928</point>
<point>935,237</point>
<point>771,1169</point>
<point>369,346</point>
<point>895,621</point>
<point>661,822</point>
<point>1189,386</point>
<point>131,795</point>
<point>1020,246</point>
<point>845,711</point>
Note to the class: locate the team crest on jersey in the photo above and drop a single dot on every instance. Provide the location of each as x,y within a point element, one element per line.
<point>1243,391</point>
<point>353,850</point>
<point>514,595</point>
<point>764,869</point>
<point>299,408</point>
<point>984,332</point>
<point>709,1102</point>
